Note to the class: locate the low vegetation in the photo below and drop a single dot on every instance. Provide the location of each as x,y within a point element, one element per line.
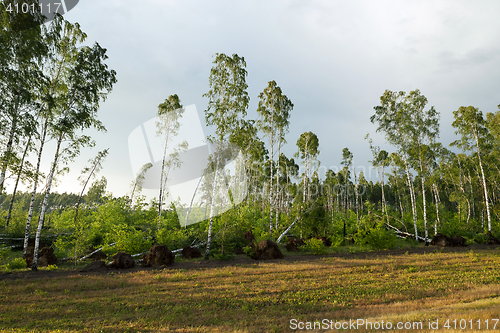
<point>263,296</point>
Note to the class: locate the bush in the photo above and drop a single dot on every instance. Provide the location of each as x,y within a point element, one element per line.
<point>377,238</point>
<point>4,253</point>
<point>130,240</point>
<point>51,268</point>
<point>336,239</point>
<point>16,263</point>
<point>173,238</point>
<point>249,251</point>
<point>481,238</point>
<point>316,246</point>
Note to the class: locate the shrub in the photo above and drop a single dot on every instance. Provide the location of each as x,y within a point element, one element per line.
<point>481,238</point>
<point>51,268</point>
<point>129,239</point>
<point>173,238</point>
<point>249,251</point>
<point>16,263</point>
<point>4,253</point>
<point>336,239</point>
<point>377,238</point>
<point>316,246</point>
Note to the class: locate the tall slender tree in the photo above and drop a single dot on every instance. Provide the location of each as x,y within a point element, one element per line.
<point>86,83</point>
<point>227,105</point>
<point>394,118</point>
<point>347,163</point>
<point>380,162</point>
<point>274,113</point>
<point>169,113</point>
<point>308,151</point>
<point>471,126</point>
<point>21,55</point>
<point>62,41</point>
<point>88,173</point>
<point>139,180</point>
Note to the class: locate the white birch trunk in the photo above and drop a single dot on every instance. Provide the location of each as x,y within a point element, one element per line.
<point>44,205</point>
<point>424,201</point>
<point>412,196</point>
<point>33,194</point>
<point>384,203</point>
<point>271,140</point>
<point>277,180</point>
<point>437,209</point>
<point>160,197</point>
<point>425,211</point>
<point>486,201</point>
<point>7,152</point>
<point>356,194</point>
<point>11,204</point>
<point>214,193</point>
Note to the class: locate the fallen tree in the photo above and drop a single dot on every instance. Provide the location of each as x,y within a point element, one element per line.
<point>404,234</point>
<point>291,225</point>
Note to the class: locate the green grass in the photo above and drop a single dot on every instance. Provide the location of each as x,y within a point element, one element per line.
<point>260,297</point>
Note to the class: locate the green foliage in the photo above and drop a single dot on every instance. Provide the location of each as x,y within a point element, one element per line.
<point>173,238</point>
<point>17,224</point>
<point>96,192</point>
<point>129,240</point>
<point>50,268</point>
<point>316,246</point>
<point>223,256</point>
<point>261,234</point>
<point>377,238</point>
<point>249,251</point>
<point>76,238</point>
<point>481,238</point>
<point>16,263</point>
<point>63,247</point>
<point>4,252</point>
<point>337,239</point>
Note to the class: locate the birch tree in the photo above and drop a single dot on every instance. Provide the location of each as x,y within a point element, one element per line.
<point>88,173</point>
<point>394,120</point>
<point>139,180</point>
<point>380,162</point>
<point>21,55</point>
<point>274,113</point>
<point>169,113</point>
<point>255,154</point>
<point>86,83</point>
<point>308,151</point>
<point>227,104</point>
<point>347,163</point>
<point>61,39</point>
<point>471,126</point>
<point>424,132</point>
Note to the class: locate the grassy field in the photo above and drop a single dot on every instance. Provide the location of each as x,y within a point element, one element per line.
<point>274,296</point>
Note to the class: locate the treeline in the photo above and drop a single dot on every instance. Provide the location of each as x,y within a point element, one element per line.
<point>52,86</point>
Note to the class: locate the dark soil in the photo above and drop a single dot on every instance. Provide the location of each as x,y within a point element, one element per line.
<point>123,260</point>
<point>293,244</point>
<point>267,250</point>
<point>241,260</point>
<point>189,252</point>
<point>159,255</point>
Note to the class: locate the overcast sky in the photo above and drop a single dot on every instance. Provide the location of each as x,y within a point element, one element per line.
<point>333,59</point>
